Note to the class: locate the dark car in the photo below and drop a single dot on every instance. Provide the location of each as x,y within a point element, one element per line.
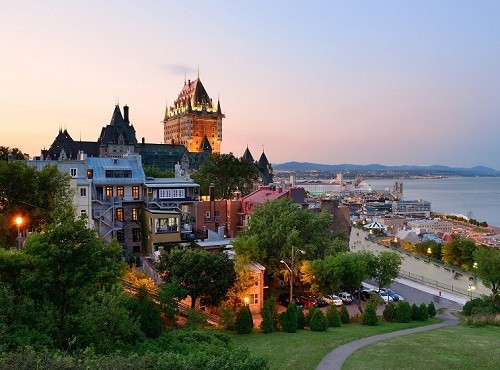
<point>284,300</point>
<point>308,301</point>
<point>321,302</point>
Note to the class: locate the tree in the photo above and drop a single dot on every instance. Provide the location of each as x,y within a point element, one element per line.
<point>370,315</point>
<point>202,274</point>
<point>488,267</point>
<point>228,174</point>
<point>318,321</point>
<point>387,268</point>
<point>402,312</point>
<point>15,154</point>
<point>431,309</point>
<point>269,315</point>
<point>244,321</point>
<point>344,315</point>
<point>289,323</point>
<point>460,253</point>
<point>147,312</point>
<point>332,316</point>
<point>389,312</point>
<point>169,295</point>
<point>423,314</point>
<point>150,171</point>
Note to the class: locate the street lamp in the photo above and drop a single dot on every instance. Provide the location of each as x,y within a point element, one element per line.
<point>290,268</point>
<point>471,289</point>
<point>19,222</point>
<point>246,299</point>
<point>429,251</point>
<point>474,266</point>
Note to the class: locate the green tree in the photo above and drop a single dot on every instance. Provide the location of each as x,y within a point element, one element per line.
<point>227,173</point>
<point>169,295</point>
<point>147,312</point>
<point>332,316</point>
<point>202,274</point>
<point>423,314</point>
<point>402,312</point>
<point>15,153</point>
<point>488,267</point>
<point>344,315</point>
<point>68,264</point>
<point>431,309</point>
<point>387,268</point>
<point>150,171</point>
<point>269,314</point>
<point>244,321</point>
<point>389,312</point>
<point>460,253</point>
<point>289,323</point>
<point>414,312</point>
<point>301,319</point>
<point>318,321</point>
<point>370,315</point>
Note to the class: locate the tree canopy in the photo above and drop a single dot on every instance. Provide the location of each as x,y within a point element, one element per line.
<point>228,174</point>
<point>202,274</point>
<point>387,265</point>
<point>15,153</point>
<point>488,267</point>
<point>459,252</point>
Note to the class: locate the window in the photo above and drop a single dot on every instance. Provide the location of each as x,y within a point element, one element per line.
<point>254,298</point>
<point>136,234</point>
<point>83,192</point>
<point>207,215</point>
<point>135,192</point>
<point>166,225</point>
<point>72,172</point>
<point>119,191</point>
<point>254,280</point>
<point>109,191</point>
<point>217,215</point>
<point>119,214</point>
<point>135,214</point>
<point>120,236</point>
<point>171,193</point>
<point>83,213</point>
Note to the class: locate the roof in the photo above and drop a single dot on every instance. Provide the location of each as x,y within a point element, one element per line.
<point>205,145</point>
<point>247,155</point>
<point>118,131</point>
<point>170,182</point>
<point>100,165</point>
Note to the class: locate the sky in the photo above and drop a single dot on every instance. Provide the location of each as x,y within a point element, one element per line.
<point>361,82</point>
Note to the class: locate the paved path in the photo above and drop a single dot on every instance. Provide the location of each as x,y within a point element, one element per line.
<point>335,359</point>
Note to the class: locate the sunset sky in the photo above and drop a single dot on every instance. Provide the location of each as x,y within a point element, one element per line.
<point>389,82</point>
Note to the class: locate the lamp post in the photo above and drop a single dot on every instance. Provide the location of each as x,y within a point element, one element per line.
<point>19,222</point>
<point>474,266</point>
<point>290,268</point>
<point>429,252</point>
<point>471,289</point>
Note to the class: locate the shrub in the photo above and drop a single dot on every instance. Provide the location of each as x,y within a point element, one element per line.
<point>402,313</point>
<point>332,317</point>
<point>431,309</point>
<point>414,312</point>
<point>301,319</point>
<point>423,315</point>
<point>480,303</point>
<point>289,323</point>
<point>269,315</point>
<point>244,321</point>
<point>309,315</point>
<point>344,315</point>
<point>318,321</point>
<point>227,318</point>
<point>196,319</point>
<point>388,313</point>
<point>357,318</point>
<point>370,316</point>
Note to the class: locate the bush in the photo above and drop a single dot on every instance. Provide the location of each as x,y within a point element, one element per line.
<point>431,309</point>
<point>473,303</point>
<point>423,315</point>
<point>289,323</point>
<point>414,312</point>
<point>344,315</point>
<point>402,313</point>
<point>483,319</point>
<point>389,311</point>
<point>370,316</point>
<point>332,317</point>
<point>357,318</point>
<point>244,321</point>
<point>318,321</point>
<point>269,315</point>
<point>301,319</point>
<point>227,318</point>
<point>309,315</point>
<point>196,319</point>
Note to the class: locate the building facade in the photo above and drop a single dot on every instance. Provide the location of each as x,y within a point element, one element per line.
<point>194,120</point>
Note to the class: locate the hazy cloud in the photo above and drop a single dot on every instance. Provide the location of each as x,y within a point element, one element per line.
<point>181,69</point>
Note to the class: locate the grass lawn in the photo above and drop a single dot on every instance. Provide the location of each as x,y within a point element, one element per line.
<point>305,349</point>
<point>456,347</point>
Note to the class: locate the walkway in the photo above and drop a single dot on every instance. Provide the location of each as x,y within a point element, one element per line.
<point>335,359</point>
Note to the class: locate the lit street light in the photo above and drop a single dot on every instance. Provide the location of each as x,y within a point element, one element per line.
<point>290,268</point>
<point>19,222</point>
<point>471,289</point>
<point>429,252</point>
<point>474,266</point>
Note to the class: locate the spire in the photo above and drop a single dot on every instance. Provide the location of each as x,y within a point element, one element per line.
<point>248,156</point>
<point>198,71</point>
<point>219,111</point>
<point>205,145</point>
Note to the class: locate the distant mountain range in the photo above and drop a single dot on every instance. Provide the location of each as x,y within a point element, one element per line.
<point>306,166</point>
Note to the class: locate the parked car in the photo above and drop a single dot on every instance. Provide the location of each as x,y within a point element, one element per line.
<point>345,297</point>
<point>321,302</point>
<point>333,299</point>
<point>308,301</point>
<point>284,300</point>
<point>385,296</point>
<point>395,297</point>
<point>366,294</point>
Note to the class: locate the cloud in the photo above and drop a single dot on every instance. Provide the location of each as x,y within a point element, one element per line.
<point>181,69</point>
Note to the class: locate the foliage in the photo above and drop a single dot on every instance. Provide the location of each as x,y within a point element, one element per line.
<point>147,311</point>
<point>344,315</point>
<point>105,324</point>
<point>483,304</point>
<point>488,267</point>
<point>332,316</point>
<point>196,319</point>
<point>242,283</point>
<point>431,310</point>
<point>203,274</point>
<point>31,194</point>
<point>301,319</point>
<point>15,153</point>
<point>423,314</point>
<point>370,315</point>
<point>460,253</point>
<point>318,321</point>
<point>289,323</point>
<point>228,174</point>
<point>138,279</point>
<point>151,171</point>
<point>169,295</point>
<point>387,266</point>
<point>269,315</point>
<point>414,312</point>
<point>244,321</point>
<point>278,225</point>
<point>481,319</point>
<point>423,247</point>
<point>402,313</point>
<point>227,317</point>
<point>389,312</point>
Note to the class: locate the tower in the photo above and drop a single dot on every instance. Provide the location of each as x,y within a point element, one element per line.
<point>193,120</point>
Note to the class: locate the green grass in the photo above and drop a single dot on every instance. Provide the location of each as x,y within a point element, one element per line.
<point>456,347</point>
<point>305,349</point>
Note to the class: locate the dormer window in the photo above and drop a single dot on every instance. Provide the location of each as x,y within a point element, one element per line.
<point>73,172</point>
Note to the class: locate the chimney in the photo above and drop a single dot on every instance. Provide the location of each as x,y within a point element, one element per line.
<point>143,141</point>
<point>211,192</point>
<point>177,171</point>
<point>125,114</point>
<point>82,156</point>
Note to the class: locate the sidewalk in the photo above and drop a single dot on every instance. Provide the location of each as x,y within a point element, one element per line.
<point>420,268</point>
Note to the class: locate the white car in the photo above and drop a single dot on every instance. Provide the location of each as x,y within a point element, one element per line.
<point>333,299</point>
<point>395,297</point>
<point>345,297</point>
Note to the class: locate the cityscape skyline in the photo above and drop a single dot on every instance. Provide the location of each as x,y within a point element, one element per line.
<point>413,83</point>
